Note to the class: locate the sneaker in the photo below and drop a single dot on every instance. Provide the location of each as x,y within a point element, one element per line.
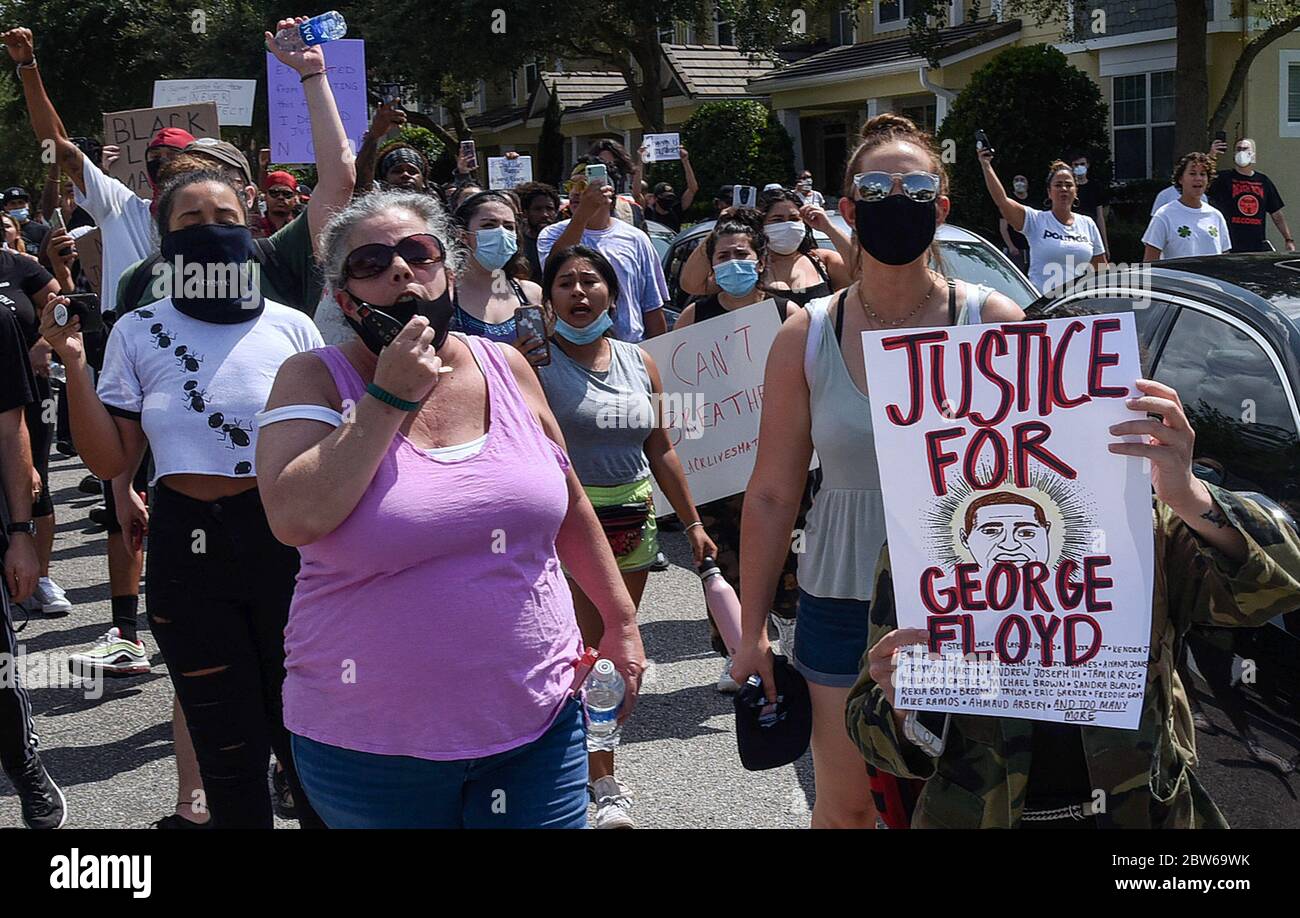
<point>613,804</point>
<point>99,516</point>
<point>43,804</point>
<point>659,564</point>
<point>111,656</point>
<point>785,634</point>
<point>65,448</point>
<point>49,599</point>
<point>90,485</point>
<point>177,821</point>
<point>281,795</point>
<point>726,684</point>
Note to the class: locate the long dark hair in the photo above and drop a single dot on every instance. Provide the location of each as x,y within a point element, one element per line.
<point>517,267</point>
<point>769,199</point>
<point>558,260</point>
<point>744,221</point>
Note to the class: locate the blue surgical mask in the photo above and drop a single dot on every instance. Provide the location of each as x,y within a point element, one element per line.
<point>586,334</point>
<point>494,247</point>
<point>737,277</point>
<point>20,214</point>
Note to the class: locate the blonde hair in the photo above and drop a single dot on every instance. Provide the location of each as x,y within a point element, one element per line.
<point>878,131</point>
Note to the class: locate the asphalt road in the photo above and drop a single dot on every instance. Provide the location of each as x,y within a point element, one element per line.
<point>113,754</point>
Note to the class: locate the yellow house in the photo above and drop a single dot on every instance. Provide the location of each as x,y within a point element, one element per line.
<point>1129,51</point>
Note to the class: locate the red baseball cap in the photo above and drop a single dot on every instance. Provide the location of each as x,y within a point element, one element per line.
<point>171,137</point>
<point>280,178</point>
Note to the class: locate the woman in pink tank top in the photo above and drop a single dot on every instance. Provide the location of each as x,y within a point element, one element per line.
<point>431,642</point>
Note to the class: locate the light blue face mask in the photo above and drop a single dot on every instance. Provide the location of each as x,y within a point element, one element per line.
<point>736,277</point>
<point>20,214</point>
<point>494,247</point>
<point>586,334</point>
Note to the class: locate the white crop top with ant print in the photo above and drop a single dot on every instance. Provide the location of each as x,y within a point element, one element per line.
<point>196,386</point>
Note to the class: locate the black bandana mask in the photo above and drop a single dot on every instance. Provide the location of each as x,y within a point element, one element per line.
<point>214,276</point>
<point>378,327</point>
<point>897,230</point>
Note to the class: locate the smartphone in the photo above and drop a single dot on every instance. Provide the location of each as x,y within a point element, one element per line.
<point>467,150</point>
<point>56,219</point>
<point>744,196</point>
<point>597,174</point>
<point>982,142</point>
<point>1221,136</point>
<point>390,92</point>
<point>529,321</point>
<point>84,306</point>
<point>385,327</point>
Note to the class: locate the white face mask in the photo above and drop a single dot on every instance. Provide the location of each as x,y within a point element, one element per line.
<point>1080,171</point>
<point>784,237</point>
<point>1244,158</point>
<point>1021,187</point>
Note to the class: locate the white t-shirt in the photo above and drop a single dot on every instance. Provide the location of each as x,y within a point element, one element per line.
<point>1166,195</point>
<point>1058,253</point>
<point>1178,231</point>
<point>641,283</point>
<point>195,386</point>
<point>125,224</point>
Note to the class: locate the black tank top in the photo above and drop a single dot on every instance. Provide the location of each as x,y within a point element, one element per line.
<point>807,294</point>
<point>709,307</point>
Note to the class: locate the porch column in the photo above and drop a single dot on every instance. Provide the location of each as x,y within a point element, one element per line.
<point>789,119</point>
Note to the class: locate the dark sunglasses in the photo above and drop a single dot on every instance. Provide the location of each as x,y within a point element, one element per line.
<point>375,257</point>
<point>922,187</point>
<point>285,193</point>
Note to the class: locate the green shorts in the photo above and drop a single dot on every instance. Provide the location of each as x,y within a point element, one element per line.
<point>627,515</point>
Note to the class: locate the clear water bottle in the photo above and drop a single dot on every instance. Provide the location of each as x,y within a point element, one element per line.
<point>315,31</point>
<point>604,701</point>
<point>58,372</point>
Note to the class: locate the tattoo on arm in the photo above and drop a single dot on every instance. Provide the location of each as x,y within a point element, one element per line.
<point>1215,516</point>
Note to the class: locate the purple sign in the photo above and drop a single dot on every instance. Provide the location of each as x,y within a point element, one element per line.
<point>345,63</point>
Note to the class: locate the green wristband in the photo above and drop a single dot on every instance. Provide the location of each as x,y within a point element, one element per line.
<point>389,398</point>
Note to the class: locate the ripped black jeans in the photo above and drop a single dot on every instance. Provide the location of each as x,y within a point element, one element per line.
<point>219,586</point>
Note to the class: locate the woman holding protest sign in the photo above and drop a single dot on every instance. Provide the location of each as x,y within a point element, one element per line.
<point>814,396</point>
<point>487,292</point>
<point>1221,559</point>
<point>1062,243</point>
<point>185,377</point>
<point>738,249</point>
<point>606,395</point>
<point>421,473</point>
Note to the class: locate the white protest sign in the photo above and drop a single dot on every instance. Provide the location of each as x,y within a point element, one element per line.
<point>1016,538</point>
<point>712,374</point>
<point>504,172</point>
<point>662,147</point>
<point>233,98</point>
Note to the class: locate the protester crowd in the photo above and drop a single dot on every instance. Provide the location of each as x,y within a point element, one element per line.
<point>335,428</point>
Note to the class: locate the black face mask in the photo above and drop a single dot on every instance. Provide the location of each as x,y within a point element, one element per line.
<point>378,327</point>
<point>897,230</point>
<point>211,273</point>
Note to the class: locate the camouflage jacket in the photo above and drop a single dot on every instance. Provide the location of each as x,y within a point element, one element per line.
<point>980,778</point>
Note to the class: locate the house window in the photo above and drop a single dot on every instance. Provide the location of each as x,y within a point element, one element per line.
<point>923,114</point>
<point>532,74</point>
<point>1142,111</point>
<point>1288,115</point>
<point>844,26</point>
<point>726,34</point>
<point>893,14</point>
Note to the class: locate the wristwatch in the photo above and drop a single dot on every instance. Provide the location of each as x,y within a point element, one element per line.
<point>27,528</point>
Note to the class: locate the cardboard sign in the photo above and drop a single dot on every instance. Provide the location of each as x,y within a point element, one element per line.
<point>233,98</point>
<point>1016,538</point>
<point>507,173</point>
<point>90,253</point>
<point>345,68</point>
<point>662,147</point>
<point>132,131</point>
<point>712,374</point>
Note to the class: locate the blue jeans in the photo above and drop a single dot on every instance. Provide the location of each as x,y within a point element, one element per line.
<point>542,784</point>
<point>830,639</point>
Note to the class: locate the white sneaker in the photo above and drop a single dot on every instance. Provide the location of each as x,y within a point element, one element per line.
<point>49,598</point>
<point>613,804</point>
<point>785,634</point>
<point>112,655</point>
<point>726,684</point>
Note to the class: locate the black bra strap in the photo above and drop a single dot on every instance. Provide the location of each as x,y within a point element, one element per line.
<point>519,292</point>
<point>952,302</point>
<point>839,317</point>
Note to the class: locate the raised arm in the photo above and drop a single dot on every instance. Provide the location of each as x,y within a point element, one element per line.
<point>386,118</point>
<point>336,176</point>
<point>45,120</point>
<point>692,184</point>
<point>1012,211</point>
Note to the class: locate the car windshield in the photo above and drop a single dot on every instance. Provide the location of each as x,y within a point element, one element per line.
<point>978,263</point>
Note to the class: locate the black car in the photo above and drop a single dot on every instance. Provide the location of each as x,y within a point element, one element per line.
<point>1224,331</point>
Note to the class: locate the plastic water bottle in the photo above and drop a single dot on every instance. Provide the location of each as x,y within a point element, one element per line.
<point>723,604</point>
<point>315,31</point>
<point>604,701</point>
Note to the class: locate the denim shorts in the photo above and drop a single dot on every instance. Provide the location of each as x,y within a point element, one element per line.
<point>542,784</point>
<point>830,639</point>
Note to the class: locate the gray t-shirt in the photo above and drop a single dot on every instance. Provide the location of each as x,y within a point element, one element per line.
<point>606,417</point>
